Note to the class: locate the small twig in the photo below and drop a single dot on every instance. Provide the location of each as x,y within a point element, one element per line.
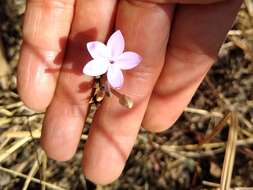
<point>200,154</point>
<point>4,121</point>
<point>197,147</point>
<point>22,134</point>
<point>35,134</point>
<point>228,103</point>
<point>13,105</point>
<point>249,6</point>
<point>247,151</point>
<point>245,121</point>
<point>43,171</point>
<point>175,163</point>
<point>5,68</point>
<point>217,129</point>
<point>14,173</point>
<point>5,153</point>
<point>32,172</point>
<point>26,115</point>
<point>211,184</point>
<point>229,159</point>
<point>203,112</point>
<point>5,112</point>
<point>246,133</point>
<point>5,142</point>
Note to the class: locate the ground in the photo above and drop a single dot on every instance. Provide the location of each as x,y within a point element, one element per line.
<point>169,160</point>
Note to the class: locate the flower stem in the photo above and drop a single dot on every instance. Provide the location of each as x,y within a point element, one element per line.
<point>123,99</point>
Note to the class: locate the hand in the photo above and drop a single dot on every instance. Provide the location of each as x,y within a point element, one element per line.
<point>179,43</point>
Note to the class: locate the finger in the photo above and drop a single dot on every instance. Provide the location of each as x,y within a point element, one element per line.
<point>197,35</point>
<point>114,130</point>
<point>183,1</point>
<point>46,27</point>
<point>65,116</point>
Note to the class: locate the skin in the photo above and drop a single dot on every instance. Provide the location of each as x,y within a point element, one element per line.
<point>179,44</point>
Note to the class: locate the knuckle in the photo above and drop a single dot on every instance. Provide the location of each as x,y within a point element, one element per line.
<point>145,79</point>
<point>184,55</point>
<point>146,3</point>
<point>53,4</point>
<point>151,1</point>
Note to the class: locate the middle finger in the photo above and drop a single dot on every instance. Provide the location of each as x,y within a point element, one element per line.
<point>145,27</point>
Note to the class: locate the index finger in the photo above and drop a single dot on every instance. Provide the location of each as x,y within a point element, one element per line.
<point>45,30</point>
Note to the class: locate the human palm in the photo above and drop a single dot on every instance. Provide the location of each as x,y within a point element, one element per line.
<point>178,43</point>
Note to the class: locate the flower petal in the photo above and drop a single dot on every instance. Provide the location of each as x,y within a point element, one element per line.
<point>98,50</point>
<point>128,60</point>
<point>96,67</point>
<point>116,43</point>
<point>115,76</point>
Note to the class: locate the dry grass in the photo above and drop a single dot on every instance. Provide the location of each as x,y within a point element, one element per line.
<point>210,147</point>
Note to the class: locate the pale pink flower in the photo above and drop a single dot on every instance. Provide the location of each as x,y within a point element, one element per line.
<point>110,58</point>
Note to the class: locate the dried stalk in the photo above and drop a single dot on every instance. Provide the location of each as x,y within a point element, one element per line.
<point>229,159</point>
